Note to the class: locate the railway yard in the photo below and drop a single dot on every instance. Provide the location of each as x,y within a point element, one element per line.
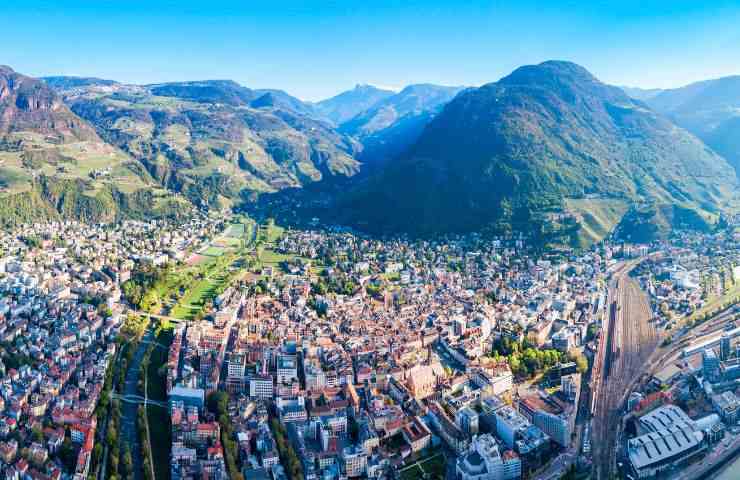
<point>630,338</point>
<point>629,353</point>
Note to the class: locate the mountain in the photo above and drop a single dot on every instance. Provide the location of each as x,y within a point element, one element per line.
<point>30,107</point>
<point>390,126</point>
<point>216,141</point>
<point>643,94</point>
<point>58,82</point>
<point>226,92</point>
<point>278,99</point>
<point>53,163</point>
<point>710,110</point>
<point>551,151</point>
<point>412,100</point>
<point>347,105</point>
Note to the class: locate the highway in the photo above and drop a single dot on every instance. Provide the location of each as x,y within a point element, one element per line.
<point>627,342</point>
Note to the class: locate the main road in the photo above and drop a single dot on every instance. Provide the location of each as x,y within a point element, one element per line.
<point>628,338</point>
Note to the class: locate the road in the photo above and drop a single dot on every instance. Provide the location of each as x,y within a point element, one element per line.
<point>706,468</point>
<point>629,337</point>
<point>155,316</point>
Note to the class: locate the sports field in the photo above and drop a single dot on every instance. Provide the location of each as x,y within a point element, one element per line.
<point>236,230</point>
<point>212,251</point>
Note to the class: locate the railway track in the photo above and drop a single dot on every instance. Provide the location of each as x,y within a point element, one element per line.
<point>629,351</point>
<point>630,338</point>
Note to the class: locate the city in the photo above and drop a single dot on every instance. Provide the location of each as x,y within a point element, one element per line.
<point>239,349</point>
<point>345,240</point>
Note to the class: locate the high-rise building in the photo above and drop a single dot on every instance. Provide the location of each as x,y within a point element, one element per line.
<point>260,386</point>
<point>467,420</point>
<point>710,365</point>
<point>724,347</point>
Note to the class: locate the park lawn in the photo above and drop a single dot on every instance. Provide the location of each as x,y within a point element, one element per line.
<point>716,302</point>
<point>273,258</point>
<point>205,290</point>
<point>270,258</point>
<point>271,232</point>
<point>392,277</point>
<point>236,230</point>
<point>435,467</point>
<point>412,473</point>
<point>432,465</point>
<point>184,312</point>
<point>227,242</point>
<point>212,251</point>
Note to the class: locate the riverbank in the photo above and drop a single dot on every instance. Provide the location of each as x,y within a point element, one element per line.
<point>727,469</point>
<point>129,410</point>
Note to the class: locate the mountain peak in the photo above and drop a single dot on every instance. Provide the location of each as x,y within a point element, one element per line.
<point>507,154</point>
<point>549,73</point>
<point>29,105</point>
<point>347,104</point>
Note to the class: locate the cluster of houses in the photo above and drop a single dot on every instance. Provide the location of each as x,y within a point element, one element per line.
<point>684,273</point>
<point>60,311</point>
<point>365,382</point>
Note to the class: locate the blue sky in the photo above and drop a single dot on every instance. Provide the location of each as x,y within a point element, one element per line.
<point>316,49</point>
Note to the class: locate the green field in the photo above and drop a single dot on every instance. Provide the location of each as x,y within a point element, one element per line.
<point>432,466</point>
<point>227,242</point>
<point>212,251</point>
<point>270,233</point>
<point>236,230</point>
<point>205,290</point>
<point>412,473</point>
<point>269,257</point>
<point>715,303</point>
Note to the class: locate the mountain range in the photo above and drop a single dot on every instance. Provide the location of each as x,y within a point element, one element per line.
<point>551,150</point>
<point>710,110</point>
<point>391,125</point>
<point>345,106</point>
<point>53,163</point>
<point>547,150</point>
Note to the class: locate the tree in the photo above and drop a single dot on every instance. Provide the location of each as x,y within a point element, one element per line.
<point>68,455</point>
<point>111,436</point>
<point>218,402</point>
<point>128,462</point>
<point>581,363</point>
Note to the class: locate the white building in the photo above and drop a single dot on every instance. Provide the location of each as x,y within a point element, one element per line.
<point>287,368</point>
<point>483,461</point>
<point>354,461</point>
<point>672,438</point>
<point>260,386</point>
<point>508,423</point>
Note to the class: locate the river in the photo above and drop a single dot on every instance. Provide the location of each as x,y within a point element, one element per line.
<point>129,411</point>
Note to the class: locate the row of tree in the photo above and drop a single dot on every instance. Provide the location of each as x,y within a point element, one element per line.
<point>218,404</point>
<point>146,451</point>
<point>288,457</point>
